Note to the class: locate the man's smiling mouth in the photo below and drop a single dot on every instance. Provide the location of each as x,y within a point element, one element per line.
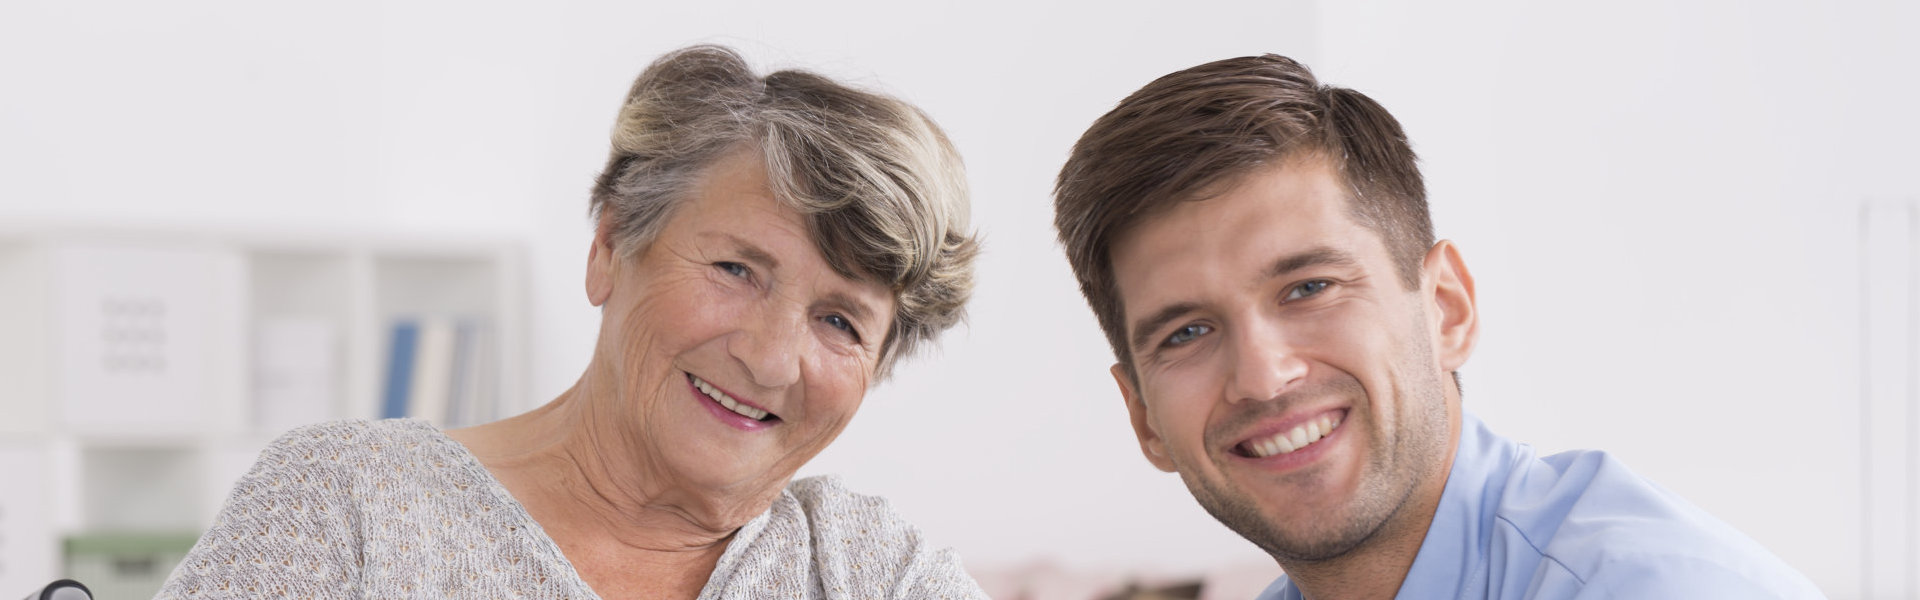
<point>1291,440</point>
<point>739,408</point>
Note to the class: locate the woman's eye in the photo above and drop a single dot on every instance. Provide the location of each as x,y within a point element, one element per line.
<point>1187,334</point>
<point>841,323</point>
<point>733,268</point>
<point>1306,289</point>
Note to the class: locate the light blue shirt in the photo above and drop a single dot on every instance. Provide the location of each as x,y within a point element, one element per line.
<point>1514,525</point>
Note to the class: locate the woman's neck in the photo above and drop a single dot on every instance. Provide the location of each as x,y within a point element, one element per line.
<point>604,500</point>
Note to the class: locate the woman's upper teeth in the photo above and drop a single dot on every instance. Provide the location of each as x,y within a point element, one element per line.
<point>728,401</point>
<point>1293,439</point>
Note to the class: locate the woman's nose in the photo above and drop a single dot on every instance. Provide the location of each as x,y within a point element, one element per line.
<point>771,347</point>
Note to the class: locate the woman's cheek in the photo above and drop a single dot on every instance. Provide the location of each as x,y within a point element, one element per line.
<point>847,380</point>
<point>849,375</point>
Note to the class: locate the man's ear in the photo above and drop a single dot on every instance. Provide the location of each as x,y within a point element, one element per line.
<point>1150,443</point>
<point>600,262</point>
<point>1456,316</point>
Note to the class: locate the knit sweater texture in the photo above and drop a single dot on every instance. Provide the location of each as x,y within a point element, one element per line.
<point>396,509</point>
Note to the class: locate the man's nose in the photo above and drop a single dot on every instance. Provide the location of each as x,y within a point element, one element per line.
<point>771,346</point>
<point>1265,364</point>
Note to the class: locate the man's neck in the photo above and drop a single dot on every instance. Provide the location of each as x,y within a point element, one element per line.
<point>1377,568</point>
<point>1373,571</point>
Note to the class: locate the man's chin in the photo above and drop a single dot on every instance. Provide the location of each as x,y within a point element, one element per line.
<point>1294,534</point>
<point>1311,547</point>
<point>1309,542</point>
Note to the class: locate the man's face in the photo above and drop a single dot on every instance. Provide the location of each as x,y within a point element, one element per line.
<point>1284,368</point>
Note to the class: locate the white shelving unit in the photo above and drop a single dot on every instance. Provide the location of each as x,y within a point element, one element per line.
<point>138,372</point>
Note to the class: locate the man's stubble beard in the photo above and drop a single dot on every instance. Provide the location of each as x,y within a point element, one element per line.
<point>1388,480</point>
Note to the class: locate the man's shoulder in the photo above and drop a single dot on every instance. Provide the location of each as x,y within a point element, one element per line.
<point>1586,506</point>
<point>1645,573</point>
<point>1606,528</point>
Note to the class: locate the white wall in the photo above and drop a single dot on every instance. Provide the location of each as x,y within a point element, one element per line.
<point>1658,201</point>
<point>1662,203</point>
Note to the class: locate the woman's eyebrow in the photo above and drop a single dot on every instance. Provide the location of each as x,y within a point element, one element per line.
<point>855,308</point>
<point>748,250</point>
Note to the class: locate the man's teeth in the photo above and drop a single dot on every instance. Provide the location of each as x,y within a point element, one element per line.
<point>1293,439</point>
<point>727,401</point>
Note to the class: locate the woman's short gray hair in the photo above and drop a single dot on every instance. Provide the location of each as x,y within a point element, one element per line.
<point>883,191</point>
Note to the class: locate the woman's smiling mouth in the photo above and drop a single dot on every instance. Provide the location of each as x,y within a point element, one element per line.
<point>728,402</point>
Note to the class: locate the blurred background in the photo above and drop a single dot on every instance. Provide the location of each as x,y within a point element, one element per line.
<point>1693,226</point>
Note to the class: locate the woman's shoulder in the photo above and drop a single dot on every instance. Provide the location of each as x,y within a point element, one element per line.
<point>343,472</point>
<point>831,510</point>
<point>828,496</point>
<point>859,543</point>
<point>357,434</point>
<point>345,451</point>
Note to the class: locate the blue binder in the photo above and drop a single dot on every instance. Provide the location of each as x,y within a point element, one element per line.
<point>406,334</point>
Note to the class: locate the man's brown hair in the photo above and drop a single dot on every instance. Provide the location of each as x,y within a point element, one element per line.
<point>1190,132</point>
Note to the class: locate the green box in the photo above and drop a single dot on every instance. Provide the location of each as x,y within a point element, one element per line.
<point>125,564</point>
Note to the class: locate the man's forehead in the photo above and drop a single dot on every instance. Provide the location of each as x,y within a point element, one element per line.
<point>1234,235</point>
<point>1299,204</point>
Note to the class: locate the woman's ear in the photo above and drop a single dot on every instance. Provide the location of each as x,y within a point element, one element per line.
<point>1456,316</point>
<point>600,262</point>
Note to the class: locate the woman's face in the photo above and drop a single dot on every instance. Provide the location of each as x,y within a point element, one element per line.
<point>737,353</point>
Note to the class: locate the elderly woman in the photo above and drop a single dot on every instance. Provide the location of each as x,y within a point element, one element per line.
<point>766,248</point>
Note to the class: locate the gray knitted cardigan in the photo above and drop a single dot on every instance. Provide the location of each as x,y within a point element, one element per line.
<point>396,509</point>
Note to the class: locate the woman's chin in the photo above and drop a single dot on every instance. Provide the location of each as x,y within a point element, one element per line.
<point>725,468</point>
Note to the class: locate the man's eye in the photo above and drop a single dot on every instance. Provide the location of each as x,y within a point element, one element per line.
<point>841,323</point>
<point>1187,334</point>
<point>1306,289</point>
<point>733,268</point>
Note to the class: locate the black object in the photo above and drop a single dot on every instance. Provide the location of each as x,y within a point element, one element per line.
<point>65,589</point>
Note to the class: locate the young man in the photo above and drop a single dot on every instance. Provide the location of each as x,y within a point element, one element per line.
<point>1258,250</point>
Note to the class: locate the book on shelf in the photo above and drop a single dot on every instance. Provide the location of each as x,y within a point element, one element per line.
<point>393,403</point>
<point>436,370</point>
<point>432,370</point>
<point>471,401</point>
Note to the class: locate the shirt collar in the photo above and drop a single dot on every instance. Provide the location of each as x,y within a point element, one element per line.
<point>1456,543</point>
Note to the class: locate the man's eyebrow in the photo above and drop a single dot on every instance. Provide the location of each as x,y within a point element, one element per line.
<point>1319,256</point>
<point>1144,328</point>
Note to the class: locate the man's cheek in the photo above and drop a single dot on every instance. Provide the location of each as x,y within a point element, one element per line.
<point>1179,432</point>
